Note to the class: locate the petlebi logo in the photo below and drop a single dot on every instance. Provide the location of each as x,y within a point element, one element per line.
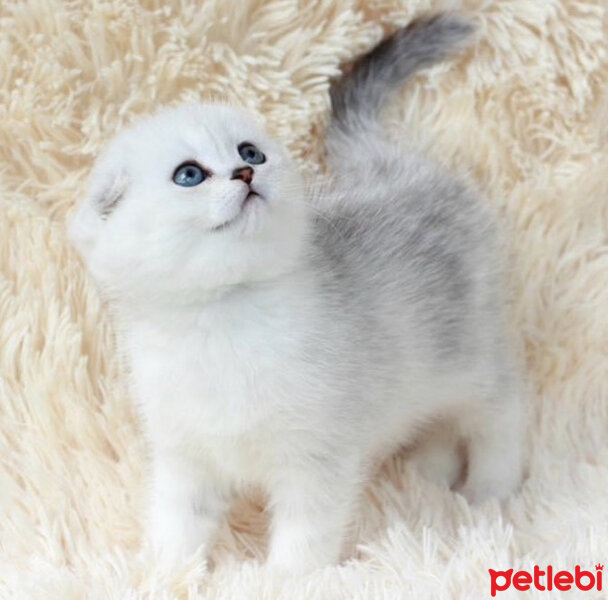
<point>547,579</point>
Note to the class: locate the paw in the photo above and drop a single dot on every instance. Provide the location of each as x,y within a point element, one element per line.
<point>477,490</point>
<point>175,537</point>
<point>168,551</point>
<point>293,564</point>
<point>297,551</point>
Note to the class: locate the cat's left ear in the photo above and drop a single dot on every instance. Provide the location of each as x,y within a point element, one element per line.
<point>108,185</point>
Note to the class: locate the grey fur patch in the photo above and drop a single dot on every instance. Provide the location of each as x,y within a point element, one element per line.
<point>402,241</point>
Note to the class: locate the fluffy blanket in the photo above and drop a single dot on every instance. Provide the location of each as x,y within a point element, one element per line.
<point>523,115</point>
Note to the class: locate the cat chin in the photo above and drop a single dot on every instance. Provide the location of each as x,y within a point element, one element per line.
<point>252,248</point>
<point>249,211</point>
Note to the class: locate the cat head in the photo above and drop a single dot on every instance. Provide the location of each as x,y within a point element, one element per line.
<point>189,201</point>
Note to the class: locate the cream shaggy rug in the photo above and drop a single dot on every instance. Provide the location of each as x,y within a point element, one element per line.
<point>524,115</point>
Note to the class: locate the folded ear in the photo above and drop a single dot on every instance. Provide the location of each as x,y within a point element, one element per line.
<point>107,187</point>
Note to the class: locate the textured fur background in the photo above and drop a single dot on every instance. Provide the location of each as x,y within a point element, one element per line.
<point>524,116</point>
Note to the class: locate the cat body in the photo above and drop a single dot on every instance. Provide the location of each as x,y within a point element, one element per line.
<point>290,336</point>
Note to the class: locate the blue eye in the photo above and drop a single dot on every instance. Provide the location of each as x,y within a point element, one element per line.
<point>251,154</point>
<point>189,175</point>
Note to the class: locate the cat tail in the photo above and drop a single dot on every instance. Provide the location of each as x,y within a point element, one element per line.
<point>358,97</point>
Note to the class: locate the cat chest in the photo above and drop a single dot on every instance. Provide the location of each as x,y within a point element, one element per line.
<point>211,384</point>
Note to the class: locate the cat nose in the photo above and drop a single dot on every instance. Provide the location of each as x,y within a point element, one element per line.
<point>244,174</point>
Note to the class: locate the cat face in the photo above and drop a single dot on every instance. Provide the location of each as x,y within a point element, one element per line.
<point>188,201</point>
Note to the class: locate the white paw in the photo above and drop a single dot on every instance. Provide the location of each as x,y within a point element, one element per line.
<point>297,550</point>
<point>293,564</point>
<point>478,490</point>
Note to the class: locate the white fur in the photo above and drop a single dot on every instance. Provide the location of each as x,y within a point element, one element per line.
<point>246,371</point>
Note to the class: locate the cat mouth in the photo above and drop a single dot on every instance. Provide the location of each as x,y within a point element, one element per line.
<point>249,199</point>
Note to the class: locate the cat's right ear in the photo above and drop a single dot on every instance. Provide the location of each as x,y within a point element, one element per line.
<point>107,188</point>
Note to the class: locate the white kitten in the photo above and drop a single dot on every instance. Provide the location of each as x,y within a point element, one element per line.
<point>289,339</point>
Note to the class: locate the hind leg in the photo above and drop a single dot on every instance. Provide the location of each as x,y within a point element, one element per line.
<point>495,438</point>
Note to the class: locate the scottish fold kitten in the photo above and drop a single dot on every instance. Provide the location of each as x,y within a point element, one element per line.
<point>288,334</point>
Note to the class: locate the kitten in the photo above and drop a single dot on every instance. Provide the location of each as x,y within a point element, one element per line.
<point>289,338</point>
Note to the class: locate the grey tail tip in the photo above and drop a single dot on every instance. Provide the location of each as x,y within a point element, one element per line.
<point>424,42</point>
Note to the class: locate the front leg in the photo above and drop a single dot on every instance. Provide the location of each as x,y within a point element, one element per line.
<point>186,507</point>
<point>312,508</point>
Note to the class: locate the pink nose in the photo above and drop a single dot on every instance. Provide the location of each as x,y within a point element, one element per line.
<point>244,174</point>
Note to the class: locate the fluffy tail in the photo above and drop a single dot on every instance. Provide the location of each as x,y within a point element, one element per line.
<point>358,97</point>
